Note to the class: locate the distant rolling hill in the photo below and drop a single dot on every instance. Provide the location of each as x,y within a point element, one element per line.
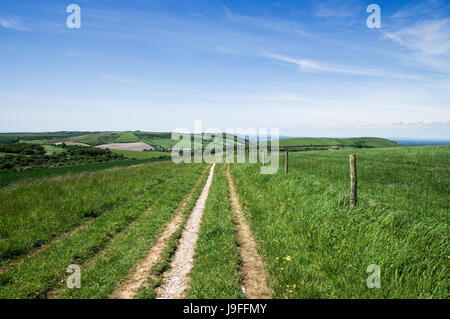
<point>157,140</point>
<point>95,139</point>
<point>161,141</point>
<point>321,143</point>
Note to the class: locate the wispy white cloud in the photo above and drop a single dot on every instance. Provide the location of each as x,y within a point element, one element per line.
<point>428,42</point>
<point>428,37</point>
<point>11,23</point>
<point>430,9</point>
<point>309,65</point>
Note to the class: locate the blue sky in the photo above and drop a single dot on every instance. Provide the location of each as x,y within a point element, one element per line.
<point>309,68</point>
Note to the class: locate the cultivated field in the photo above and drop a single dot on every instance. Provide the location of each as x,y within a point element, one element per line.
<point>136,146</point>
<point>165,230</point>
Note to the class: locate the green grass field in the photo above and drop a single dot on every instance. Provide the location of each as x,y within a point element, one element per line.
<point>129,204</point>
<point>142,155</point>
<point>9,177</point>
<point>106,270</point>
<point>315,246</point>
<point>80,196</point>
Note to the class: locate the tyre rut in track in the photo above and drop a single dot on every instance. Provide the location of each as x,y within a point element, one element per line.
<point>56,292</point>
<point>130,288</point>
<point>38,250</point>
<point>176,279</point>
<point>253,269</point>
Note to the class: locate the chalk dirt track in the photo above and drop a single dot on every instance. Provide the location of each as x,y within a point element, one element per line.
<point>130,288</point>
<point>253,270</point>
<point>176,279</point>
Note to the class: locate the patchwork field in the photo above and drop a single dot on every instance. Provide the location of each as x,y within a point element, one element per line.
<point>226,231</point>
<point>126,140</point>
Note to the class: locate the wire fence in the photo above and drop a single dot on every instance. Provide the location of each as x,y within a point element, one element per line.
<point>420,189</point>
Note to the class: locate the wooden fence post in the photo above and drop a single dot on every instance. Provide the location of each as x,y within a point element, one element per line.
<point>286,165</point>
<point>353,181</point>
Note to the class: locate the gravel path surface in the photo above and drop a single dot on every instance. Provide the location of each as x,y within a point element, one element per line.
<point>176,279</point>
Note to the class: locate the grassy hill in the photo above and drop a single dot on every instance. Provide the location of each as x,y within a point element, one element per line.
<point>158,140</point>
<point>162,140</point>
<point>95,139</point>
<point>38,138</point>
<point>354,142</point>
